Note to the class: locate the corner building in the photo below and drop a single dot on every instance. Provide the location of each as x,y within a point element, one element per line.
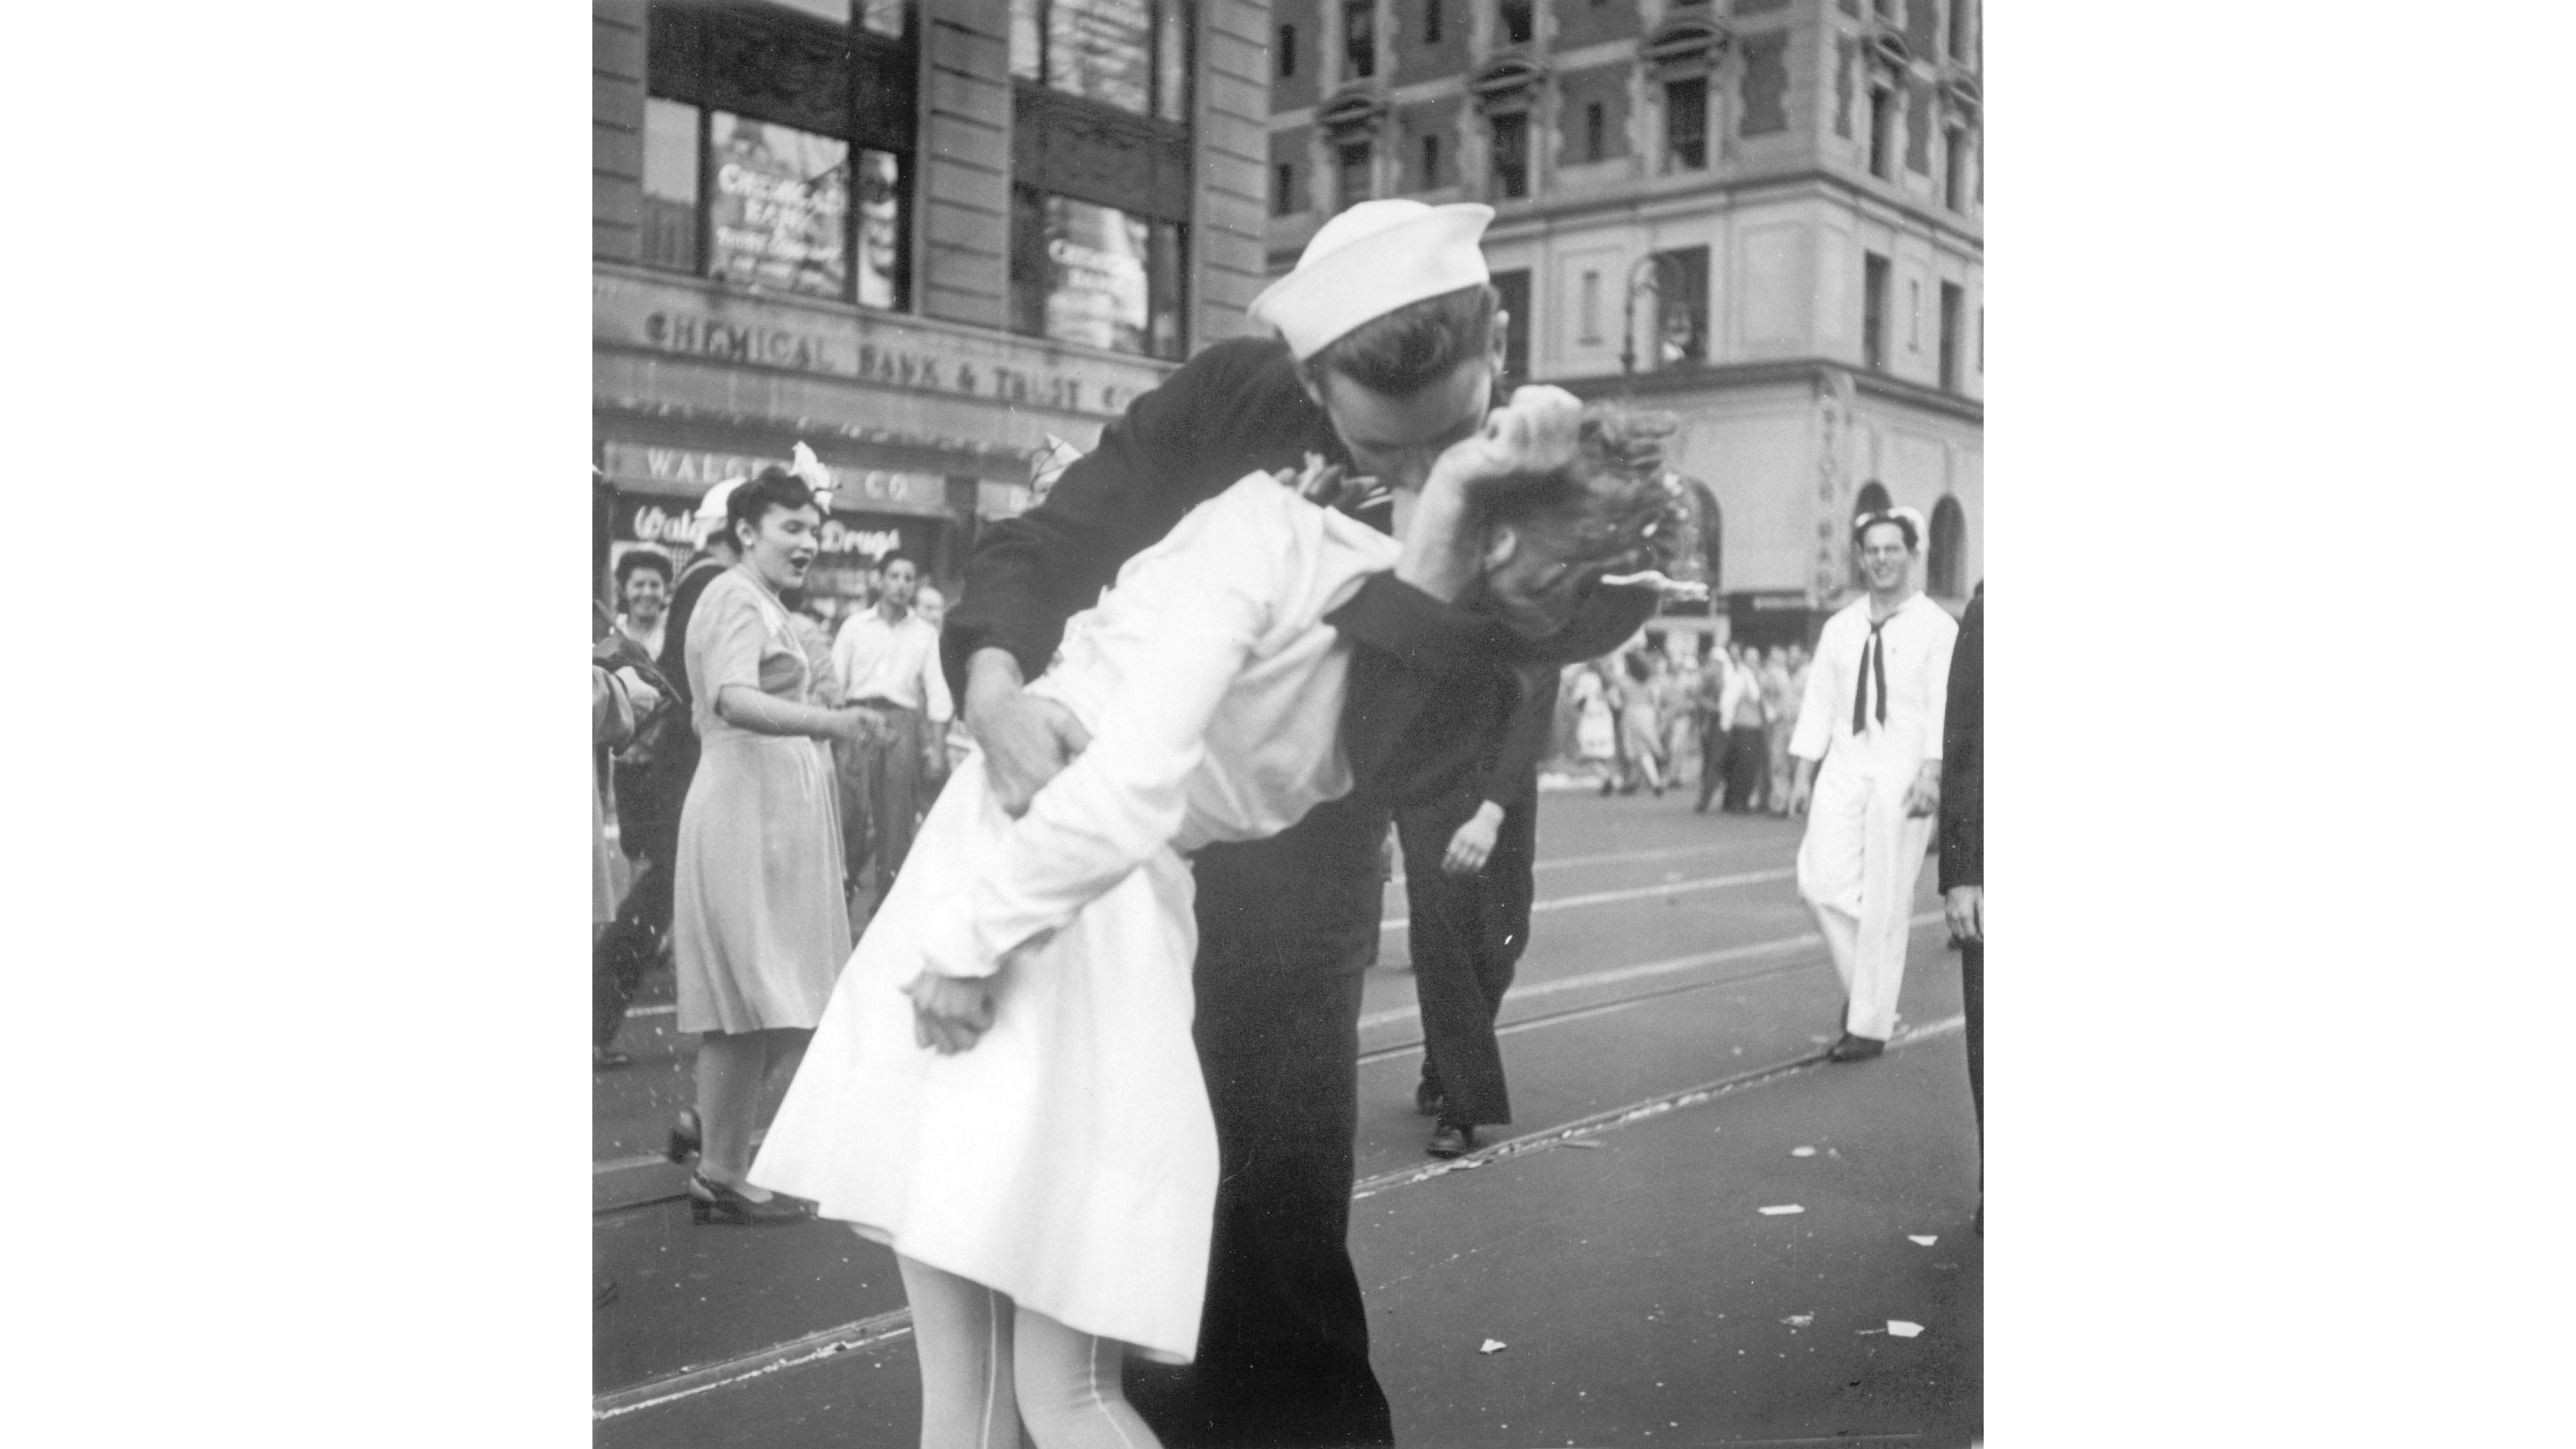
<point>920,235</point>
<point>1762,216</point>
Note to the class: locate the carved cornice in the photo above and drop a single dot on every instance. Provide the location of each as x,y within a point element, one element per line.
<point>1685,46</point>
<point>1508,82</point>
<point>1354,113</point>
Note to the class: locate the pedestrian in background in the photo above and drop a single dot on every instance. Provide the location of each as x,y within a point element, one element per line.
<point>1641,732</point>
<point>1708,721</point>
<point>759,925</point>
<point>1963,846</point>
<point>1780,701</point>
<point>1596,727</point>
<point>1469,874</point>
<point>1748,756</point>
<point>648,804</point>
<point>643,592</point>
<point>1882,671</point>
<point>888,660</point>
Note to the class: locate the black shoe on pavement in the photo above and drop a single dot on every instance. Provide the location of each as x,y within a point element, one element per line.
<point>686,1137</point>
<point>1428,1098</point>
<point>1855,1048</point>
<point>1451,1139</point>
<point>711,1201</point>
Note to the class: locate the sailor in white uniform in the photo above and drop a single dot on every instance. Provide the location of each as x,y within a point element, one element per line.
<point>1868,757</point>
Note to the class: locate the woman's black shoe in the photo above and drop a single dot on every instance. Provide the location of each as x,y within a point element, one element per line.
<point>713,1202</point>
<point>1451,1139</point>
<point>686,1137</point>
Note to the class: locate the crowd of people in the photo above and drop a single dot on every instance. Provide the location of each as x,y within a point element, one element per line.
<point>1090,1070</point>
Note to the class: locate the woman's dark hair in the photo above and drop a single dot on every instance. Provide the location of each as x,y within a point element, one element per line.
<point>1413,346</point>
<point>1611,504</point>
<point>642,561</point>
<point>773,488</point>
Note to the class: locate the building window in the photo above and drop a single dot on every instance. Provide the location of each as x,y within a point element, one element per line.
<point>1431,22</point>
<point>1519,20</point>
<point>1954,175</point>
<point>1873,310</point>
<point>758,186</point>
<point>1595,131</point>
<point>1511,155</point>
<point>1681,307</point>
<point>671,151</point>
<point>1283,189</point>
<point>1287,52</point>
<point>1359,36</point>
<point>1951,296</point>
<point>1686,125</point>
<point>1350,175</point>
<point>1515,290</point>
<point>1430,162</point>
<point>1130,54</point>
<point>1948,550</point>
<point>1913,315</point>
<point>1590,311</point>
<point>1882,132</point>
<point>1094,275</point>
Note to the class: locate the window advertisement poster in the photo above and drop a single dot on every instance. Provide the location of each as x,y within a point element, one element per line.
<point>780,217</point>
<point>880,229</point>
<point>1096,285</point>
<point>1103,49</point>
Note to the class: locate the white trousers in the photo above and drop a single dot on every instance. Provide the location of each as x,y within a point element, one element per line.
<point>1856,870</point>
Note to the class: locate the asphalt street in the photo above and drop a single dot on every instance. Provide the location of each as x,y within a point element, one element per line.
<point>1662,1042</point>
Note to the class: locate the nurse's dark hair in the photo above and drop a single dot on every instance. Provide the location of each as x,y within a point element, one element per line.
<point>770,488</point>
<point>1413,346</point>
<point>1612,505</point>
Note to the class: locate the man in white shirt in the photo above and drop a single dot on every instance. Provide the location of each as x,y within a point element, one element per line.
<point>887,658</point>
<point>1872,715</point>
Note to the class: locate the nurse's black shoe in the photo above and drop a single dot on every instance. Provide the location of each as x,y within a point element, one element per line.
<point>1451,1139</point>
<point>711,1201</point>
<point>1855,1048</point>
<point>686,1137</point>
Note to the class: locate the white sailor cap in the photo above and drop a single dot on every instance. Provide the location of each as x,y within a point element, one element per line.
<point>1368,261</point>
<point>711,509</point>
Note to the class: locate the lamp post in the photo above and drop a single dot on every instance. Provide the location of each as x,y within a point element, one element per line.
<point>1646,272</point>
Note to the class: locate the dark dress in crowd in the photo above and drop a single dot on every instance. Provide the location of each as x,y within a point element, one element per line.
<point>1288,925</point>
<point>1468,932</point>
<point>648,824</point>
<point>1963,821</point>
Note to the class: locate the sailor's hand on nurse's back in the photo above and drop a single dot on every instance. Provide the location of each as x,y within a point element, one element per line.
<point>1027,739</point>
<point>1535,435</point>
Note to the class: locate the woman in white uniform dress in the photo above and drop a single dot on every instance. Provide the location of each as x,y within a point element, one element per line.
<point>1068,1161</point>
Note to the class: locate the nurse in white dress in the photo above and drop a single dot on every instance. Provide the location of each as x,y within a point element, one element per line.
<point>1872,715</point>
<point>1065,1159</point>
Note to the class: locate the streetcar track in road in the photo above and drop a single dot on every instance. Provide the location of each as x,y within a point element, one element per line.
<point>880,1330</point>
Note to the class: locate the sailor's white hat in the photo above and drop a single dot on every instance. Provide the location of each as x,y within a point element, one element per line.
<point>1370,260</point>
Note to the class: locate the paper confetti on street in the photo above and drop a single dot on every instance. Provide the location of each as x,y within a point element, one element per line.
<point>1926,1239</point>
<point>1799,1320</point>
<point>1903,1329</point>
<point>1802,1152</point>
<point>1782,1210</point>
<point>1492,1345</point>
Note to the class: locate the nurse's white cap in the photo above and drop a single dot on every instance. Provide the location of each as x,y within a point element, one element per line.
<point>1368,261</point>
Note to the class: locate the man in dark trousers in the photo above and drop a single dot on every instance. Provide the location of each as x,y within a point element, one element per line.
<point>649,823</point>
<point>1963,843</point>
<point>1469,873</point>
<point>1390,352</point>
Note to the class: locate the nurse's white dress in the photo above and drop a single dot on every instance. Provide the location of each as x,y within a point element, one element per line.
<point>1068,1159</point>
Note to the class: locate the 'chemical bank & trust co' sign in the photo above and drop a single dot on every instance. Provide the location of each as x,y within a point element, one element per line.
<point>679,321</point>
<point>695,470</point>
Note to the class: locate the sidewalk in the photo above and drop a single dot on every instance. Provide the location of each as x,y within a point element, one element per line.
<point>1639,1295</point>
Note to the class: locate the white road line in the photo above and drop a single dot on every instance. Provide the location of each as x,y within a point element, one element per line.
<point>1635,893</point>
<point>1643,971</point>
